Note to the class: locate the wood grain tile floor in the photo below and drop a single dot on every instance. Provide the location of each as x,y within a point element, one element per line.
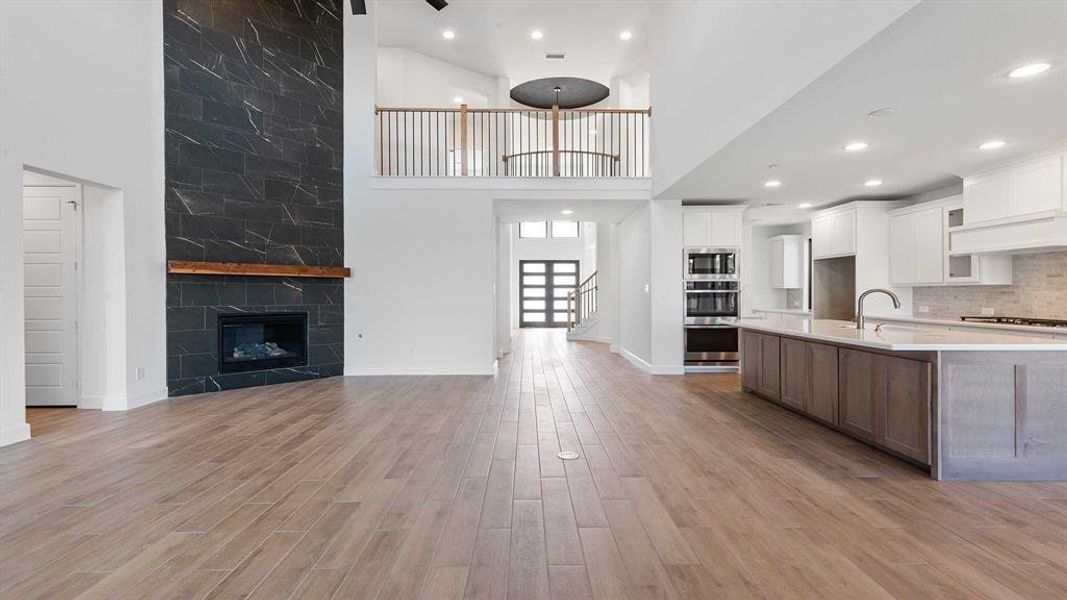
<point>448,487</point>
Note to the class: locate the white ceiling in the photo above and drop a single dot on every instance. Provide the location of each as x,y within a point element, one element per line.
<point>493,36</point>
<point>599,211</point>
<point>942,67</point>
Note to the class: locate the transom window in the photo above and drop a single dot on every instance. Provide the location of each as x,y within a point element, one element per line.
<point>544,229</point>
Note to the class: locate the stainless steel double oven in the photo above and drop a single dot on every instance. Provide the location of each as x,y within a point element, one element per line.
<point>712,305</point>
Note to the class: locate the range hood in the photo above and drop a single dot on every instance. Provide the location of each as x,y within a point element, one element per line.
<point>1029,234</point>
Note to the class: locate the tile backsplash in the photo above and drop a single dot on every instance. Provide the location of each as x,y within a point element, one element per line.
<point>1039,290</point>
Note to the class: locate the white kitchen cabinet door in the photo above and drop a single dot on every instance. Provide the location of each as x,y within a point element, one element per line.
<point>928,247</point>
<point>1037,186</point>
<point>902,249</point>
<point>986,198</point>
<point>696,228</point>
<point>726,229</point>
<point>822,236</point>
<point>844,235</point>
<point>787,258</point>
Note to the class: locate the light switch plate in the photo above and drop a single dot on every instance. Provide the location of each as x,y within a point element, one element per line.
<point>989,312</point>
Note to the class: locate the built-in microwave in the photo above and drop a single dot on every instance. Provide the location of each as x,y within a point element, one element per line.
<point>712,302</point>
<point>710,263</point>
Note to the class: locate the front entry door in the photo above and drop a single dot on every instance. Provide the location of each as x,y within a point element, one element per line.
<point>543,289</point>
<point>51,236</point>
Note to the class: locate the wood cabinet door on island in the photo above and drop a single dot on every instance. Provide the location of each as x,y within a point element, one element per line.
<point>905,409</point>
<point>886,400</point>
<point>856,400</point>
<point>809,378</point>
<point>824,393</point>
<point>760,364</point>
<point>796,374</point>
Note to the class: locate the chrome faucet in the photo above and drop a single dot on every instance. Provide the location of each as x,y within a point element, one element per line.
<point>863,296</point>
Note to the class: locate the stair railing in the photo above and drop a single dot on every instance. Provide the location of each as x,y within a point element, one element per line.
<point>582,302</point>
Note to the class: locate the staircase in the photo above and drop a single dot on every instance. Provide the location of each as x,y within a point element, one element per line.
<point>582,316</point>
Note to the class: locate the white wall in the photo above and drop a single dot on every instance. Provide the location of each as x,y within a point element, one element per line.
<point>719,67</point>
<point>667,305</point>
<point>421,291</point>
<point>635,300</point>
<point>81,94</point>
<point>411,79</point>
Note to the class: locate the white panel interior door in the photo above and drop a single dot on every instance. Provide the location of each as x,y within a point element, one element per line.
<point>52,235</point>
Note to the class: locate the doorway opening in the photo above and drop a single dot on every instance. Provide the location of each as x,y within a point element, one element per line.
<point>52,242</point>
<point>543,289</point>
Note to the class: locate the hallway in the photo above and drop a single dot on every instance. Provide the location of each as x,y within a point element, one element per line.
<point>449,487</point>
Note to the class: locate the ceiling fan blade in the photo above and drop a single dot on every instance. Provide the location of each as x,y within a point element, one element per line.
<point>438,4</point>
<point>359,7</point>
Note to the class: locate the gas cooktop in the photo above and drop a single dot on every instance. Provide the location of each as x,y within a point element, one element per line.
<point>1029,321</point>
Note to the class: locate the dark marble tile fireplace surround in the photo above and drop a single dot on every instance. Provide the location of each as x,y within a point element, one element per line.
<point>253,175</point>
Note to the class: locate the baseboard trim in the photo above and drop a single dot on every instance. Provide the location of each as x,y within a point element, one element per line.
<point>91,402</point>
<point>636,360</point>
<point>589,338</point>
<point>119,403</point>
<point>14,435</point>
<point>668,370</point>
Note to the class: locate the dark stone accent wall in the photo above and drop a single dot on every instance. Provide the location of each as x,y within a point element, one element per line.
<point>253,92</point>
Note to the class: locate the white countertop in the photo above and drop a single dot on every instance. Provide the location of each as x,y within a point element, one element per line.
<point>784,311</point>
<point>900,338</point>
<point>971,324</point>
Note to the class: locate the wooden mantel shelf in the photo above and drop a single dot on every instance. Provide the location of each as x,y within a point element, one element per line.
<point>191,267</point>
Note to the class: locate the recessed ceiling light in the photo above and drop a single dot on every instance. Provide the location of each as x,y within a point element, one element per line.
<point>536,34</point>
<point>856,146</point>
<point>458,99</point>
<point>773,183</point>
<point>804,205</point>
<point>448,34</point>
<point>873,182</point>
<point>881,112</point>
<point>1029,70</point>
<point>992,145</point>
<point>625,35</point>
<point>567,211</point>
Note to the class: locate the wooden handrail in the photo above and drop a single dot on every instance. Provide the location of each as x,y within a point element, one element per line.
<point>506,157</point>
<point>582,302</point>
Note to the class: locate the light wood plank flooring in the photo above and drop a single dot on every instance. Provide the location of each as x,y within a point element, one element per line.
<point>448,487</point>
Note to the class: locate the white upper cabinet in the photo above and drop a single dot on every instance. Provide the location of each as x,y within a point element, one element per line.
<point>726,228</point>
<point>696,228</point>
<point>822,236</point>
<point>1030,188</point>
<point>844,233</point>
<point>787,261</point>
<point>1038,186</point>
<point>916,247</point>
<point>834,234</point>
<point>919,251</point>
<point>987,197</point>
<point>708,227</point>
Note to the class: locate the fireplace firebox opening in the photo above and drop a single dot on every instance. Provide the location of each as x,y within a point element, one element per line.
<point>260,341</point>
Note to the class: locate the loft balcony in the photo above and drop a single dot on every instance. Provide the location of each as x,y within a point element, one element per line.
<point>512,142</point>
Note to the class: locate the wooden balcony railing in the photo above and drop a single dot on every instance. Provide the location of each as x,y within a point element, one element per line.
<point>512,142</point>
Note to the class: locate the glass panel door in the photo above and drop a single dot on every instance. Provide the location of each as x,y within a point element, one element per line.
<point>543,289</point>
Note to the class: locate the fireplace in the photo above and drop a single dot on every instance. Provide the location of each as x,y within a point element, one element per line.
<point>255,342</point>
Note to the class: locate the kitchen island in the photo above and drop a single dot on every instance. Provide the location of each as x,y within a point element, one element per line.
<point>967,405</point>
